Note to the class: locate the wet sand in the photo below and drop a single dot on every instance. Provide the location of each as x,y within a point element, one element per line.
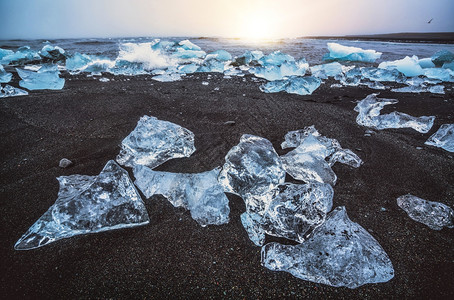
<point>173,257</point>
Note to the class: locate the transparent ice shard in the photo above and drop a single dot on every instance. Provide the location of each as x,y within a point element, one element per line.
<point>347,157</point>
<point>88,204</point>
<point>375,85</point>
<point>369,115</point>
<point>45,78</point>
<point>167,77</point>
<point>327,70</point>
<point>212,64</point>
<point>52,53</point>
<point>409,66</point>
<point>200,193</point>
<point>9,91</point>
<point>251,168</point>
<point>443,138</point>
<point>220,55</point>
<point>436,215</point>
<point>338,253</point>
<point>293,139</point>
<point>436,89</point>
<point>377,74</point>
<point>153,142</point>
<point>344,53</point>
<point>441,57</point>
<point>252,223</point>
<point>5,77</point>
<point>293,85</point>
<point>446,75</point>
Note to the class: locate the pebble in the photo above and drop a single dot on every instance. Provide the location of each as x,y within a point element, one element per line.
<point>231,123</point>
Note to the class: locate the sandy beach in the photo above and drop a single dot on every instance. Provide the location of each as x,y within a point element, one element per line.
<point>173,257</point>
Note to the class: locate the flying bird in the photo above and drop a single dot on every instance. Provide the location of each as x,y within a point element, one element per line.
<point>430,21</point>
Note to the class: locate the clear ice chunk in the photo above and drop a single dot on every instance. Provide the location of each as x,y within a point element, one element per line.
<point>77,62</point>
<point>252,223</point>
<point>441,57</point>
<point>154,142</point>
<point>251,168</point>
<point>9,91</point>
<point>45,78</point>
<point>5,77</point>
<point>327,70</point>
<point>21,56</point>
<point>275,58</point>
<point>377,74</point>
<point>247,58</point>
<point>409,66</point>
<point>200,193</point>
<point>167,77</point>
<point>436,215</point>
<point>347,157</point>
<point>369,115</point>
<point>220,55</point>
<point>443,138</point>
<point>338,253</point>
<point>446,75</point>
<point>345,53</point>
<point>88,204</point>
<point>293,85</point>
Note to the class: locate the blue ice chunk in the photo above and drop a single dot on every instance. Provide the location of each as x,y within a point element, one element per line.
<point>153,142</point>
<point>167,77</point>
<point>98,65</point>
<point>188,45</point>
<point>211,64</point>
<point>449,66</point>
<point>278,72</point>
<point>9,91</point>
<point>339,52</point>
<point>5,76</point>
<point>88,204</point>
<point>77,61</point>
<point>435,215</point>
<point>221,55</point>
<point>54,53</point>
<point>377,74</point>
<point>293,84</point>
<point>45,78</point>
<point>338,253</point>
<point>5,53</point>
<point>188,54</point>
<point>426,63</point>
<point>409,66</point>
<point>22,55</point>
<point>124,67</point>
<point>200,193</point>
<point>327,70</point>
<point>248,57</point>
<point>369,115</point>
<point>443,138</point>
<point>442,74</point>
<point>441,57</point>
<point>163,46</point>
<point>188,68</point>
<point>275,58</point>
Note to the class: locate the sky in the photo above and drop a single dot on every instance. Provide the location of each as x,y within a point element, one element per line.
<point>50,19</point>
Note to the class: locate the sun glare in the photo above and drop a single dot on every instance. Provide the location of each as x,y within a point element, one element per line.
<point>260,25</point>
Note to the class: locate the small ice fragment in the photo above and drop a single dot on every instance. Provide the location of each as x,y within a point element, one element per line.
<point>5,77</point>
<point>294,138</point>
<point>88,204</point>
<point>436,215</point>
<point>167,77</point>
<point>327,70</point>
<point>293,85</point>
<point>251,167</point>
<point>336,85</point>
<point>205,83</point>
<point>345,53</point>
<point>200,193</point>
<point>64,163</point>
<point>9,91</point>
<point>409,66</point>
<point>443,138</point>
<point>347,157</point>
<point>45,78</point>
<point>338,253</point>
<point>153,142</point>
<point>104,79</point>
<point>369,115</point>
<point>441,57</point>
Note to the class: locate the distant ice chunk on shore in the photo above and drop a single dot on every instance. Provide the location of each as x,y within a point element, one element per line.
<point>443,138</point>
<point>369,115</point>
<point>200,193</point>
<point>153,142</point>
<point>442,57</point>
<point>52,53</point>
<point>21,56</point>
<point>344,53</point>
<point>277,65</point>
<point>338,253</point>
<point>5,77</point>
<point>435,215</point>
<point>47,77</point>
<point>9,91</point>
<point>327,70</point>
<point>88,204</point>
<point>293,85</point>
<point>409,66</point>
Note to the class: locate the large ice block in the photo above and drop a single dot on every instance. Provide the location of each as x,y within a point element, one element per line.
<point>45,78</point>
<point>200,193</point>
<point>153,142</point>
<point>248,57</point>
<point>293,85</point>
<point>21,56</point>
<point>338,253</point>
<point>327,70</point>
<point>446,75</point>
<point>77,62</point>
<point>345,53</point>
<point>5,77</point>
<point>443,138</point>
<point>409,66</point>
<point>436,215</point>
<point>9,91</point>
<point>251,168</point>
<point>441,57</point>
<point>369,115</point>
<point>88,204</point>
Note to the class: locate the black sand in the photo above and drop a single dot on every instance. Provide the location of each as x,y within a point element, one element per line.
<point>173,257</point>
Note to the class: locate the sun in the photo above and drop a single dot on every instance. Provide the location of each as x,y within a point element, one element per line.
<point>260,25</point>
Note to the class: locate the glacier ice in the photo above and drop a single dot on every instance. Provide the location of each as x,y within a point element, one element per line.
<point>200,193</point>
<point>9,91</point>
<point>449,65</point>
<point>277,66</point>
<point>436,215</point>
<point>247,58</point>
<point>346,157</point>
<point>5,77</point>
<point>77,61</point>
<point>369,115</point>
<point>252,224</point>
<point>251,168</point>
<point>442,57</point>
<point>293,85</point>
<point>153,142</point>
<point>338,253</point>
<point>446,75</point>
<point>52,53</point>
<point>377,74</point>
<point>327,70</point>
<point>88,204</point>
<point>443,138</point>
<point>220,55</point>
<point>167,77</point>
<point>21,56</point>
<point>345,53</point>
<point>47,77</point>
<point>426,63</point>
<point>409,66</point>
